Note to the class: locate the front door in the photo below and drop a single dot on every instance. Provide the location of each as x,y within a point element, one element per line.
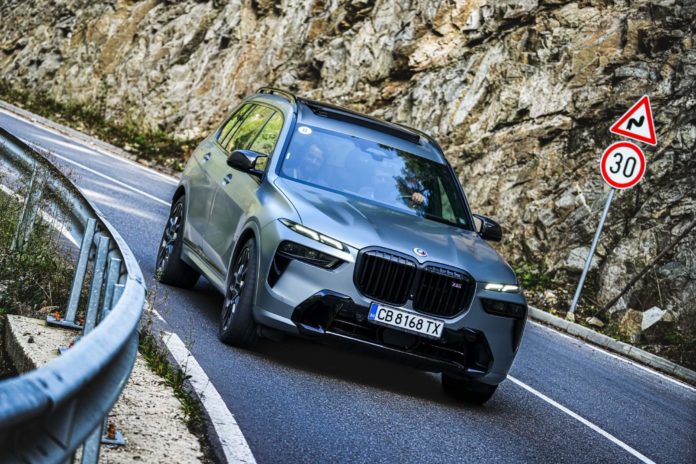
<point>236,191</point>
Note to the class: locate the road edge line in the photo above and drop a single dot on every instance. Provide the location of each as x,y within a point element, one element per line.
<point>592,337</point>
<point>232,440</point>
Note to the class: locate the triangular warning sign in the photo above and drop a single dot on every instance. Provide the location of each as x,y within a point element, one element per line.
<point>637,123</point>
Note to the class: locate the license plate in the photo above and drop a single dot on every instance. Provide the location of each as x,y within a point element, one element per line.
<point>404,320</point>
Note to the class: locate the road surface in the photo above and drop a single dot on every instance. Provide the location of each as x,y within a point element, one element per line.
<point>297,401</point>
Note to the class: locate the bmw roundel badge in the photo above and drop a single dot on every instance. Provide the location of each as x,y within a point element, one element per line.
<point>420,252</point>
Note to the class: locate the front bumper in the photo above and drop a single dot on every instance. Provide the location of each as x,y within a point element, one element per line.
<point>475,343</point>
<point>336,317</point>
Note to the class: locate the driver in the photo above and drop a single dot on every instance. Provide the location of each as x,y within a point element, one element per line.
<point>310,165</point>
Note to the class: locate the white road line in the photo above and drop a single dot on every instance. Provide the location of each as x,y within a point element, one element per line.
<point>97,173</point>
<point>616,356</point>
<point>92,146</point>
<point>234,445</point>
<point>582,420</point>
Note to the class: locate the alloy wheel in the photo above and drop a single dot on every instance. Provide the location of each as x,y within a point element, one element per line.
<point>169,237</point>
<point>235,287</point>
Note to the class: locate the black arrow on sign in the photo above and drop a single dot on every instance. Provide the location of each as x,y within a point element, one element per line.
<point>634,122</point>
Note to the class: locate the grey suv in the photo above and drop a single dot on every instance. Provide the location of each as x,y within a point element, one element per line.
<point>322,222</point>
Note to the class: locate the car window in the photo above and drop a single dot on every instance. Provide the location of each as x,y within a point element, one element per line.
<point>266,141</point>
<point>250,127</point>
<point>233,124</point>
<point>375,172</point>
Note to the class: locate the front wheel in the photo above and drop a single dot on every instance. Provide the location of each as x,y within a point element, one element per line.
<point>237,324</point>
<point>468,391</point>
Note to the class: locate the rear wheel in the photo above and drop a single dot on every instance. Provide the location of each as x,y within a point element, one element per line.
<point>170,269</point>
<point>467,390</point>
<point>237,324</point>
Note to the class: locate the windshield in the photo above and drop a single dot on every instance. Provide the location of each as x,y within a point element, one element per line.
<point>374,172</point>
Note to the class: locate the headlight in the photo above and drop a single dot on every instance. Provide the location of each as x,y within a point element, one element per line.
<point>314,235</point>
<point>294,250</point>
<point>504,308</point>
<point>502,288</point>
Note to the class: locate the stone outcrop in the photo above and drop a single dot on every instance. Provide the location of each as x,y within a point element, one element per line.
<point>656,324</point>
<point>520,93</point>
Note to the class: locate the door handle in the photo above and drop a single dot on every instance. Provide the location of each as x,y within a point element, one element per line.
<point>206,157</point>
<point>227,179</point>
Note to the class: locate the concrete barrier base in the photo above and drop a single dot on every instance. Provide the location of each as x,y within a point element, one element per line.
<point>147,414</point>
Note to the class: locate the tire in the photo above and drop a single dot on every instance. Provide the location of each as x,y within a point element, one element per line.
<point>170,269</point>
<point>237,325</point>
<point>468,391</point>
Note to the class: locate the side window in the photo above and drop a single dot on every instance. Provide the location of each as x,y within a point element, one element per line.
<point>266,141</point>
<point>232,124</point>
<point>249,128</point>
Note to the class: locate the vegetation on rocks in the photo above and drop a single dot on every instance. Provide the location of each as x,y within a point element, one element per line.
<point>149,145</point>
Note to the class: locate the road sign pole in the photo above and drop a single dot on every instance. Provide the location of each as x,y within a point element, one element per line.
<point>574,304</point>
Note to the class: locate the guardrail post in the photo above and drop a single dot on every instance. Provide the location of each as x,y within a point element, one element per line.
<point>112,274</point>
<point>30,208</point>
<point>78,279</point>
<point>118,291</point>
<point>97,281</point>
<point>90,450</point>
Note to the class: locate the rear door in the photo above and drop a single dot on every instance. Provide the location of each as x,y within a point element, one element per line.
<point>236,195</point>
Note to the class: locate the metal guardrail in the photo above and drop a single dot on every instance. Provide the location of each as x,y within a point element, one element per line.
<point>48,413</point>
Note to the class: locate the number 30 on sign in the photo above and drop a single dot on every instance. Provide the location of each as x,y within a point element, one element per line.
<point>622,165</point>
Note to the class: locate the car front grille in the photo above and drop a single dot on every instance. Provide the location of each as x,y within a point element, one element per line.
<point>442,291</point>
<point>393,278</point>
<point>385,276</point>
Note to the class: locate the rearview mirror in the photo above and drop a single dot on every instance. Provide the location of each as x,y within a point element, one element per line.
<point>248,161</point>
<point>489,229</point>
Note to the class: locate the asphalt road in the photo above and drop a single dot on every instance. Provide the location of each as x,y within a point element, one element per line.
<point>297,401</point>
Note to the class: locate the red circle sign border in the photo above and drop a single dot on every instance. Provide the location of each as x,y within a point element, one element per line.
<point>631,146</point>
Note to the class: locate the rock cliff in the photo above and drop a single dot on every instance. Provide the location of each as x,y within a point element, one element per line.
<point>520,93</point>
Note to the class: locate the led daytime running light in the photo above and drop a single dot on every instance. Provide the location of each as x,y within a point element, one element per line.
<point>506,288</point>
<point>313,234</point>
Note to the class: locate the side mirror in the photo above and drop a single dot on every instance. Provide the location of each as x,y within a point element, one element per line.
<point>248,161</point>
<point>489,229</point>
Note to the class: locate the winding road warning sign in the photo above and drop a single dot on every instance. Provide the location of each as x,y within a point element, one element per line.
<point>623,165</point>
<point>637,123</point>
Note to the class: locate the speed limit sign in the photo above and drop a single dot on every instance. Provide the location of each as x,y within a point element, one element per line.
<point>623,165</point>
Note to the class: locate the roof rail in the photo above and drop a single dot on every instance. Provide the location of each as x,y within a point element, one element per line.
<point>344,114</point>
<point>280,92</point>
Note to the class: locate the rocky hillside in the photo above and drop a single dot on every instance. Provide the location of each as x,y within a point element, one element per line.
<point>521,93</point>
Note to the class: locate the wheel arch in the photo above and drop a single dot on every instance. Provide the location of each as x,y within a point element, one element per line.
<point>180,192</point>
<point>250,230</point>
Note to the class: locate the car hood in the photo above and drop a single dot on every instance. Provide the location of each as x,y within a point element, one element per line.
<point>360,224</point>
